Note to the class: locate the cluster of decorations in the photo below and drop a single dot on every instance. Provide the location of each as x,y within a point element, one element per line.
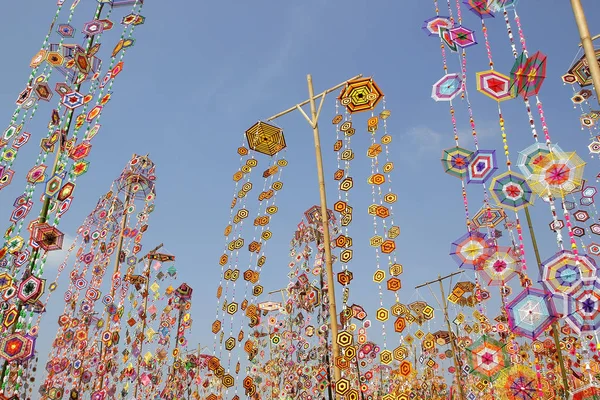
<point>123,328</point>
<point>125,325</point>
<point>539,342</point>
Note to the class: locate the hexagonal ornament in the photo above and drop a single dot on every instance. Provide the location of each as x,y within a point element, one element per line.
<point>257,290</point>
<point>581,215</point>
<point>342,386</point>
<point>340,206</point>
<point>344,338</point>
<point>382,314</point>
<point>342,362</point>
<point>232,308</point>
<point>399,324</point>
<point>595,228</point>
<point>594,249</point>
<point>393,232</point>
<point>376,241</point>
<point>390,198</point>
<point>216,326</point>
<point>386,357</point>
<point>379,276</point>
<point>396,269</point>
<point>388,246</point>
<point>92,28</point>
<point>394,284</point>
<point>346,184</point>
<point>405,368</point>
<point>397,309</point>
<point>557,225</point>
<point>350,352</point>
<point>53,186</point>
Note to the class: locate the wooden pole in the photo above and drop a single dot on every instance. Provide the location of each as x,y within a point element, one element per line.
<point>313,120</point>
<point>587,44</point>
<point>555,330</point>
<point>444,305</point>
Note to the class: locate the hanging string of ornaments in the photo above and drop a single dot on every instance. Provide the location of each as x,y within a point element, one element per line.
<point>547,171</point>
<point>73,124</point>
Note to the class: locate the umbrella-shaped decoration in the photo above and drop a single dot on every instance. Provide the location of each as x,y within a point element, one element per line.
<point>17,347</point>
<point>432,25</point>
<point>265,138</point>
<point>518,382</point>
<point>47,237</point>
<point>562,273</point>
<point>470,250</point>
<point>495,85</point>
<point>481,166</point>
<point>488,217</point>
<point>500,267</point>
<point>480,8</point>
<point>455,161</point>
<point>487,357</point>
<point>581,70</point>
<point>463,37</point>
<point>511,190</point>
<point>559,174</point>
<point>528,74</point>
<point>447,88</point>
<point>531,312</point>
<point>360,95</point>
<point>583,307</point>
<point>533,157</point>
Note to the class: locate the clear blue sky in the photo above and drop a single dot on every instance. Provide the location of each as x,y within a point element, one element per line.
<point>202,72</point>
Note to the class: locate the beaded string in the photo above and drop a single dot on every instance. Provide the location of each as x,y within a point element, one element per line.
<point>380,274</point>
<point>453,114</point>
<point>230,231</point>
<point>231,275</point>
<point>501,121</point>
<point>4,158</point>
<point>386,230</point>
<point>28,193</point>
<point>347,213</point>
<point>21,319</point>
<point>465,96</point>
<point>266,206</point>
<point>551,148</point>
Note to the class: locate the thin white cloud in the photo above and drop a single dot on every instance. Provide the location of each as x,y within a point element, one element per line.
<point>55,258</point>
<point>298,25</point>
<point>423,140</point>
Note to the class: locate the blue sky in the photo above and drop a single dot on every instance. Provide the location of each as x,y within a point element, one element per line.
<point>202,72</point>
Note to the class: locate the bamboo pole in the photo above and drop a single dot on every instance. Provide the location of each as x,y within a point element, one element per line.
<point>555,333</point>
<point>313,120</point>
<point>444,304</point>
<point>325,221</point>
<point>587,44</point>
